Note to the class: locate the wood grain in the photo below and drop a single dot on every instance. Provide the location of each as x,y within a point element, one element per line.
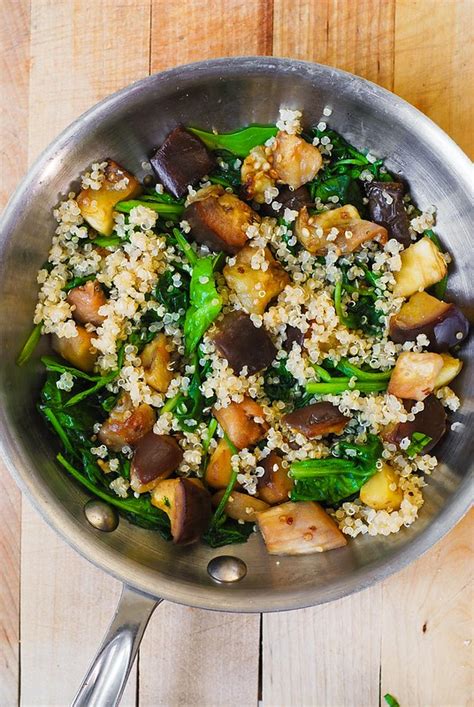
<point>354,35</point>
<point>434,63</point>
<point>80,52</point>
<point>427,627</point>
<point>324,655</point>
<point>192,657</point>
<point>14,74</point>
<point>188,30</point>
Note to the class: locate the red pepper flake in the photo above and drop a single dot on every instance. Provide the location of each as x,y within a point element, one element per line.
<point>289,520</point>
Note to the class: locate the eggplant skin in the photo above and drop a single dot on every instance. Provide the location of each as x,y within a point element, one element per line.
<point>156,456</point>
<point>182,159</point>
<point>390,215</point>
<point>294,199</point>
<point>443,323</point>
<point>243,344</point>
<point>293,336</point>
<point>192,512</point>
<point>316,420</point>
<point>431,421</point>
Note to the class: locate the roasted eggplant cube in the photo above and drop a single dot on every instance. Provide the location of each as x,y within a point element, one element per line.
<point>316,420</point>
<point>241,506</point>
<point>78,350</point>
<point>220,221</point>
<point>443,323</point>
<point>182,160</point>
<point>381,492</point>
<point>295,161</point>
<point>415,374</point>
<point>293,336</point>
<point>126,424</point>
<point>293,199</point>
<point>386,208</point>
<point>243,422</point>
<point>275,484</point>
<point>219,468</point>
<point>430,421</point>
<point>187,504</point>
<point>451,368</point>
<point>243,344</point>
<point>422,266</point>
<point>87,299</point>
<point>299,529</point>
<point>155,457</point>
<point>257,286</point>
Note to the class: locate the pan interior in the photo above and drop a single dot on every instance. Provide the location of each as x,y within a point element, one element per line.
<point>225,95</point>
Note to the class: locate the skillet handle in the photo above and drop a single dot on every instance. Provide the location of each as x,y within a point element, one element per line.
<point>108,674</point>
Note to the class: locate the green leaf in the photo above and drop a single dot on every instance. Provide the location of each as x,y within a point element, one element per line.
<point>418,442</point>
<point>206,303</point>
<point>174,298</point>
<point>339,385</point>
<point>189,406</point>
<point>78,281</point>
<point>183,245</point>
<point>332,479</point>
<point>350,370</point>
<point>280,384</point>
<point>56,365</point>
<point>343,186</point>
<point>227,531</point>
<point>390,700</point>
<point>171,211</point>
<point>239,142</point>
<point>439,290</point>
<point>29,346</point>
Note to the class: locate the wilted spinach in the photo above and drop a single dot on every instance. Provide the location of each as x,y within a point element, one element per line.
<point>239,142</point>
<point>205,303</point>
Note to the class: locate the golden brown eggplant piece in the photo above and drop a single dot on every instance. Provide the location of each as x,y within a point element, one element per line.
<point>219,468</point>
<point>241,506</point>
<point>442,322</point>
<point>316,420</point>
<point>295,161</point>
<point>244,422</point>
<point>87,299</point>
<point>187,504</point>
<point>97,205</point>
<point>275,484</point>
<point>220,220</point>
<point>414,375</point>
<point>422,266</point>
<point>78,350</point>
<point>341,228</point>
<point>379,492</point>
<point>243,344</point>
<point>256,288</point>
<point>299,529</point>
<point>126,424</point>
<point>156,360</point>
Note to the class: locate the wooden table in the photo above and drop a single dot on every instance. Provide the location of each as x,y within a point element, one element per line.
<point>409,635</point>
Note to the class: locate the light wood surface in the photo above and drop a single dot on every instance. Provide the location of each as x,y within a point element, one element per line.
<point>409,635</point>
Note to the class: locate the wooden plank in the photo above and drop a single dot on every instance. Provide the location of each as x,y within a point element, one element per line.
<point>191,30</point>
<point>354,35</point>
<point>205,658</point>
<point>14,72</point>
<point>193,657</point>
<point>427,635</point>
<point>325,655</point>
<point>434,64</point>
<point>80,51</point>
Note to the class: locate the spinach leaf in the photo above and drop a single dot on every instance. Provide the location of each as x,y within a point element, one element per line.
<point>280,384</point>
<point>226,531</point>
<point>174,298</point>
<point>205,303</point>
<point>78,281</point>
<point>239,142</point>
<point>390,700</point>
<point>190,405</point>
<point>332,479</point>
<point>343,186</point>
<point>418,442</point>
<point>227,176</point>
<point>170,211</point>
<point>29,346</point>
<point>439,290</point>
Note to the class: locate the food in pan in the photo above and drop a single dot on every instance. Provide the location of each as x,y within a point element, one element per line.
<point>254,337</point>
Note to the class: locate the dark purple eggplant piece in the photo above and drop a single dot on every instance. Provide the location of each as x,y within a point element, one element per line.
<point>243,344</point>
<point>192,512</point>
<point>291,199</point>
<point>156,456</point>
<point>220,220</point>
<point>316,420</point>
<point>392,216</point>
<point>182,159</point>
<point>293,336</point>
<point>443,323</point>
<point>431,421</point>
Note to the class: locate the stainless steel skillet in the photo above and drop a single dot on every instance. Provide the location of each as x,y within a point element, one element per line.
<point>225,94</point>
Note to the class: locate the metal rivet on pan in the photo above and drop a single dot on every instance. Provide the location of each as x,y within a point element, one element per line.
<point>225,568</point>
<point>101,515</point>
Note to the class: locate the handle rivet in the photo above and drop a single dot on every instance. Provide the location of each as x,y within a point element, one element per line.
<point>226,568</point>
<point>101,516</point>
